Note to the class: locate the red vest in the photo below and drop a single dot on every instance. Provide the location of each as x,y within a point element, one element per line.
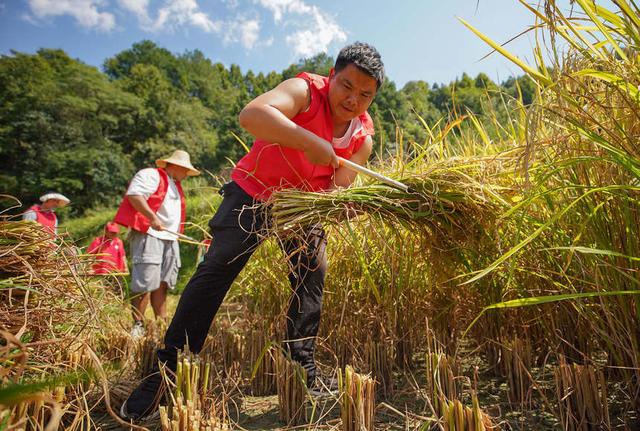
<point>47,219</point>
<point>129,217</point>
<point>269,167</point>
<point>111,253</point>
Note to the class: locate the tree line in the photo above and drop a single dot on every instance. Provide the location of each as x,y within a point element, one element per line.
<point>69,127</point>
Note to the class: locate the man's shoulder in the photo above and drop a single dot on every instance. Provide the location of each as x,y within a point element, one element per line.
<point>147,174</point>
<point>314,80</point>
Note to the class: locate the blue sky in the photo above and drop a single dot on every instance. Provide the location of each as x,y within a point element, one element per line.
<point>418,39</point>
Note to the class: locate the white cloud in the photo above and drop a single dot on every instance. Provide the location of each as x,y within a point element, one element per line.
<point>308,29</point>
<point>231,4</point>
<point>176,13</point>
<point>316,30</point>
<point>280,7</point>
<point>139,8</point>
<point>85,12</point>
<point>243,30</point>
<point>249,33</point>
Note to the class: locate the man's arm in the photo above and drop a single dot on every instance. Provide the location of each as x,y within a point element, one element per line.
<point>140,204</point>
<point>344,176</point>
<point>268,117</point>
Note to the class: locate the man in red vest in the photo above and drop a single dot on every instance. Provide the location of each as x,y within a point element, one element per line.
<point>110,250</point>
<point>301,126</point>
<point>45,213</point>
<point>154,209</point>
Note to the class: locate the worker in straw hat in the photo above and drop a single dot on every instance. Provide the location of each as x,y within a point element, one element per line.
<point>154,208</point>
<point>45,212</point>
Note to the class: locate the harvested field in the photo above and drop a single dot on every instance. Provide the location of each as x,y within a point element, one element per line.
<point>501,293</point>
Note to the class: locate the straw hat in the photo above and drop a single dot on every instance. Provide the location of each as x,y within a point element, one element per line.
<point>179,158</point>
<point>57,196</point>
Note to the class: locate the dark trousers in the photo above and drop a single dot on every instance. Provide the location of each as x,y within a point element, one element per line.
<point>236,230</point>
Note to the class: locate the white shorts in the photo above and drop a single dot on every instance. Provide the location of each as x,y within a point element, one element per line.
<point>153,261</point>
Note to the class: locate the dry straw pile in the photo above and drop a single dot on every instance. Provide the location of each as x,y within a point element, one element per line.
<point>54,324</point>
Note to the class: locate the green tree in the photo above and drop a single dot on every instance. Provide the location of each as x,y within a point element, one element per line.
<point>320,64</point>
<point>56,114</point>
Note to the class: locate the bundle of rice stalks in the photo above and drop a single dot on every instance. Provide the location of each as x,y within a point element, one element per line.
<point>42,412</point>
<point>458,417</point>
<point>357,400</point>
<point>380,361</point>
<point>443,381</point>
<point>581,392</point>
<point>22,245</point>
<point>194,405</point>
<point>193,380</point>
<point>119,346</point>
<point>228,349</point>
<point>183,416</point>
<point>53,322</point>
<point>517,360</point>
<point>262,357</point>
<point>292,391</point>
<point>146,347</point>
<point>450,196</point>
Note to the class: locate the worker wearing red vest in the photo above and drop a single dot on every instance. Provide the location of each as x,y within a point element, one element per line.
<point>154,209</point>
<point>44,214</point>
<point>109,249</point>
<point>301,126</point>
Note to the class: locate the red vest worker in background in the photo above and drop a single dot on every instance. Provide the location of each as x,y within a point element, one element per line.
<point>110,250</point>
<point>44,214</point>
<point>300,128</point>
<point>154,209</point>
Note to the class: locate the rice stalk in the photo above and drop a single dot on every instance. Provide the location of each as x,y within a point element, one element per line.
<point>194,404</point>
<point>443,381</point>
<point>447,200</point>
<point>292,391</point>
<point>517,360</point>
<point>357,400</point>
<point>458,417</point>
<point>262,355</point>
<point>379,357</point>
<point>581,393</point>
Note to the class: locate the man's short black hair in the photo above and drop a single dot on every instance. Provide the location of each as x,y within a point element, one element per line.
<point>365,57</point>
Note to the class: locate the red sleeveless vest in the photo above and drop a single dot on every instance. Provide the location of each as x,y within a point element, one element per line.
<point>269,167</point>
<point>45,218</point>
<point>128,216</point>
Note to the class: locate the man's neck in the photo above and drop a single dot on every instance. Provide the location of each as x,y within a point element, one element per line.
<point>339,129</point>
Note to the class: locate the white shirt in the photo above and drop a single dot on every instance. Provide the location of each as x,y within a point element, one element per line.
<point>345,140</point>
<point>145,183</point>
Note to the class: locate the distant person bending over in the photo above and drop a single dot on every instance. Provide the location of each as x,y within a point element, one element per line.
<point>153,207</point>
<point>301,126</point>
<point>45,212</point>
<point>112,257</point>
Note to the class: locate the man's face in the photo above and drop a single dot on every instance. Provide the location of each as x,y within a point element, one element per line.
<point>351,91</point>
<point>111,235</point>
<point>177,172</point>
<point>51,204</point>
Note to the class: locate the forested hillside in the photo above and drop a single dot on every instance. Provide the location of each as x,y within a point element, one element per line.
<point>69,127</point>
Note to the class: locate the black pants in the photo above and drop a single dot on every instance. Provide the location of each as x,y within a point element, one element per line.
<point>235,228</point>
